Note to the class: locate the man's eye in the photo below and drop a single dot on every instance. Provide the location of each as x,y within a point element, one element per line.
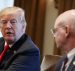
<point>3,22</point>
<point>13,21</point>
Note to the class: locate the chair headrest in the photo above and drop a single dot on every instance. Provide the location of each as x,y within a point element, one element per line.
<point>49,61</point>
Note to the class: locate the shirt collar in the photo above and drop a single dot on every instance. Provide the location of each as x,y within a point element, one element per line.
<point>71,53</point>
<point>9,44</point>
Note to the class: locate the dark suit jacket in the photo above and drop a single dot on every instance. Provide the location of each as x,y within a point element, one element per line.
<point>70,68</point>
<point>23,56</point>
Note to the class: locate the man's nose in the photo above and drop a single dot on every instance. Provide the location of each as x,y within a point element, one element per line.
<point>8,24</point>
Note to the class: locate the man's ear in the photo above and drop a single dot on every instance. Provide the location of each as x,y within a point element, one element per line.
<point>67,29</point>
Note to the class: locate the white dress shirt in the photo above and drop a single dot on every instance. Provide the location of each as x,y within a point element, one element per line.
<point>70,56</point>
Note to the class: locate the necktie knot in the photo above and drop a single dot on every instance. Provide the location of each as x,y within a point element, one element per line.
<point>6,47</point>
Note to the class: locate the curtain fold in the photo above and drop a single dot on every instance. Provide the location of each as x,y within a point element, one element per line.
<point>35,14</point>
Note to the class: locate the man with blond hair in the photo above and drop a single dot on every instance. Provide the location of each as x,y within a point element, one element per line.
<point>17,50</point>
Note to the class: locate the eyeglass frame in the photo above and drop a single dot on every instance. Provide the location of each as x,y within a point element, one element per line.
<point>53,31</point>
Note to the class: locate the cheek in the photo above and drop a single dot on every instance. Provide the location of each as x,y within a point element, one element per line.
<point>18,30</point>
<point>60,40</point>
<point>3,32</point>
<point>61,37</point>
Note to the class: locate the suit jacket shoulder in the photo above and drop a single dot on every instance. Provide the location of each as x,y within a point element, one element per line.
<point>25,58</point>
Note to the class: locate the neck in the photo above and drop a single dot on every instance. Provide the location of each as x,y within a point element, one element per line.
<point>70,44</point>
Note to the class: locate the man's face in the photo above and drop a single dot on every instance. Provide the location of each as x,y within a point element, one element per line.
<point>11,27</point>
<point>59,35</point>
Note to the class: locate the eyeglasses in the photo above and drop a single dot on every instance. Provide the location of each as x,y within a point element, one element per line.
<point>53,31</point>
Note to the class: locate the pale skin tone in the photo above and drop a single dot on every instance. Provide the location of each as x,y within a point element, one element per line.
<point>12,27</point>
<point>64,31</point>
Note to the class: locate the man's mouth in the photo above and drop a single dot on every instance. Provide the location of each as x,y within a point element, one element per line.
<point>9,33</point>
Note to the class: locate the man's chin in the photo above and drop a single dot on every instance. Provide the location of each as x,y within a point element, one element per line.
<point>9,40</point>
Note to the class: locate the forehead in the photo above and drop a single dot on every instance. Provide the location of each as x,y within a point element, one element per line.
<point>63,19</point>
<point>57,23</point>
<point>67,17</point>
<point>9,16</point>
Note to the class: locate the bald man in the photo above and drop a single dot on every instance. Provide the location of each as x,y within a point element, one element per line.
<point>64,35</point>
<point>23,54</point>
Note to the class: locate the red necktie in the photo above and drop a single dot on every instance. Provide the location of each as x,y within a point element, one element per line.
<point>4,52</point>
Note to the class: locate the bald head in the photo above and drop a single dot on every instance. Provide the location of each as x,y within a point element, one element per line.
<point>66,18</point>
<point>64,30</point>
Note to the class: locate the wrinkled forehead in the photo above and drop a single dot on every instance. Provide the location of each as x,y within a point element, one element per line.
<point>12,12</point>
<point>9,15</point>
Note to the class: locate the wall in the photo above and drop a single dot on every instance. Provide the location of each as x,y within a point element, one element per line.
<point>5,3</point>
<point>51,14</point>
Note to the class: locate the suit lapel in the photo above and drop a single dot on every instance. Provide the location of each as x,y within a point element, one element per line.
<point>15,47</point>
<point>72,65</point>
<point>60,64</point>
<point>63,62</point>
<point>1,44</point>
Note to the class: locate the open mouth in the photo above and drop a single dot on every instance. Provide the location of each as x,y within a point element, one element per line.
<point>9,33</point>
